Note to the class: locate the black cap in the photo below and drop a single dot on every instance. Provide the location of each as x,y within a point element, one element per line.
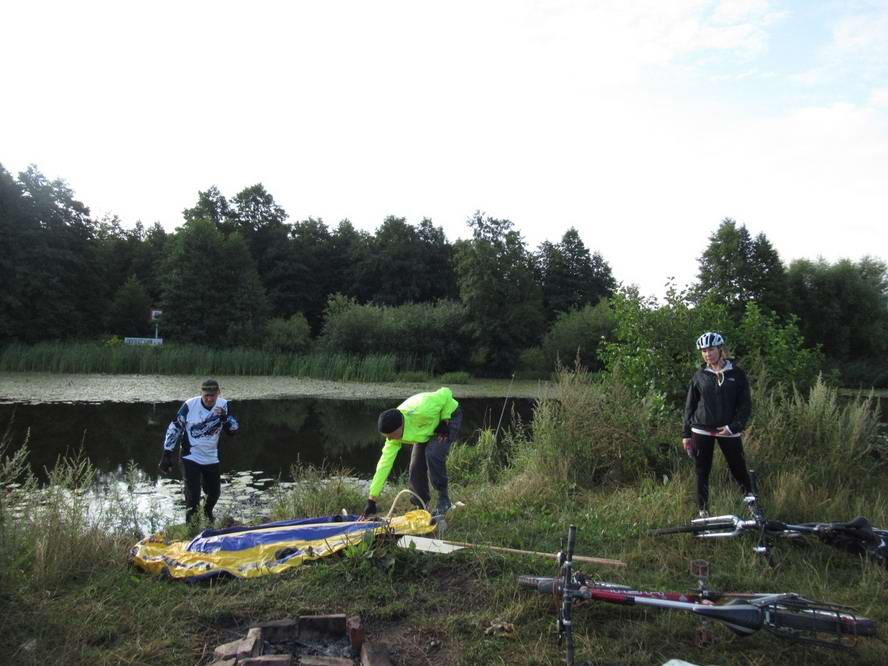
<point>210,386</point>
<point>389,421</point>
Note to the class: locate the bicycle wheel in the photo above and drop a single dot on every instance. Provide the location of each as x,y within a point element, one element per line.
<point>691,528</point>
<point>822,621</point>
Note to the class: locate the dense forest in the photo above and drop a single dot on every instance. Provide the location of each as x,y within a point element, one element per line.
<point>237,272</point>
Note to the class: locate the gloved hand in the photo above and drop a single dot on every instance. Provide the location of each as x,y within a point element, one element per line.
<point>688,445</point>
<point>443,429</point>
<point>370,509</point>
<point>166,465</point>
<point>231,425</point>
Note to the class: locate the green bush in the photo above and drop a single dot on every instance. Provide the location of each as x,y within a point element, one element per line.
<point>291,335</point>
<point>317,491</point>
<point>654,347</point>
<point>449,378</point>
<point>468,463</point>
<point>431,333</point>
<point>576,335</point>
<point>594,431</point>
<point>840,437</point>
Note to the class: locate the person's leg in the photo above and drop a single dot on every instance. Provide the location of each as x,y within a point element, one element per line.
<point>732,448</point>
<point>436,457</point>
<point>212,487</point>
<point>418,479</point>
<point>703,446</point>
<point>192,487</point>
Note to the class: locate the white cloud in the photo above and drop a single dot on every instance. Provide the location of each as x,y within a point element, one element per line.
<point>563,114</point>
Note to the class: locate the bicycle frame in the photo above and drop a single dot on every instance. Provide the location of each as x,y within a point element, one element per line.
<point>787,615</point>
<point>856,535</point>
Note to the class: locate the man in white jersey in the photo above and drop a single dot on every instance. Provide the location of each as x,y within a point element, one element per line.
<point>201,419</point>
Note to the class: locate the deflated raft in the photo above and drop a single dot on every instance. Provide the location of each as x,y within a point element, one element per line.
<point>248,552</point>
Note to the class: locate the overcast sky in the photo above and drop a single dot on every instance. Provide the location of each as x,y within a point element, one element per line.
<point>641,123</point>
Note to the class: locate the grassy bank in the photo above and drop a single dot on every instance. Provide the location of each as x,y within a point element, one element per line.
<point>173,359</point>
<point>67,595</point>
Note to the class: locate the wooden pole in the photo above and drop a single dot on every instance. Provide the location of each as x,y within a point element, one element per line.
<point>514,551</point>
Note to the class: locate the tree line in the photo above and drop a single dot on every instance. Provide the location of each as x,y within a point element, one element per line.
<point>237,272</point>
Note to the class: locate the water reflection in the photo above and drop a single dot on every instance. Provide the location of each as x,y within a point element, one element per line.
<point>124,441</point>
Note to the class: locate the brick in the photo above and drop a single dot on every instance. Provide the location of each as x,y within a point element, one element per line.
<point>267,660</point>
<point>322,625</point>
<point>226,651</point>
<point>355,629</point>
<point>318,660</point>
<point>374,655</point>
<point>280,631</point>
<point>249,647</point>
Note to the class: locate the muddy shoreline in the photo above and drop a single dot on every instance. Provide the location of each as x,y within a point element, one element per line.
<point>44,387</point>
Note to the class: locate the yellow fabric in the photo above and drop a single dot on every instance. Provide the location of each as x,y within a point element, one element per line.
<point>155,555</point>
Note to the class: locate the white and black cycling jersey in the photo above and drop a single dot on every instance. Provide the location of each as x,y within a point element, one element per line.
<point>201,427</point>
<point>717,399</point>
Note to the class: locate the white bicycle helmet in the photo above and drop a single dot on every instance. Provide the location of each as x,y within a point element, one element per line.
<point>710,339</point>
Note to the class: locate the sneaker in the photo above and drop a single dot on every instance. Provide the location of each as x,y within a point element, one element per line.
<point>702,513</point>
<point>443,506</point>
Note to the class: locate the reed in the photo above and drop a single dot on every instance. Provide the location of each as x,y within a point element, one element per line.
<point>89,357</point>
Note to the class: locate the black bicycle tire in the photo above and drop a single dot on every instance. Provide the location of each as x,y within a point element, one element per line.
<point>690,528</point>
<point>824,623</point>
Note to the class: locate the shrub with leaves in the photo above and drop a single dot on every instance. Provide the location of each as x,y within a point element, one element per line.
<point>654,347</point>
<point>594,431</point>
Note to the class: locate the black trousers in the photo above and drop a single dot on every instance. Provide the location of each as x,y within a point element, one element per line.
<point>732,448</point>
<point>197,477</point>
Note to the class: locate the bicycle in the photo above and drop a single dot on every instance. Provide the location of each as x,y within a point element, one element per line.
<point>787,615</point>
<point>855,536</point>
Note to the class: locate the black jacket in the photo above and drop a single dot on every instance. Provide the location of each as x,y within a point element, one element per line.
<point>711,406</point>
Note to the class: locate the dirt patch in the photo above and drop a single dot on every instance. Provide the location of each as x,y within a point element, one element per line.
<point>39,387</point>
<point>408,646</point>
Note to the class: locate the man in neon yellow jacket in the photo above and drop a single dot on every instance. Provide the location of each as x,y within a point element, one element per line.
<point>430,422</point>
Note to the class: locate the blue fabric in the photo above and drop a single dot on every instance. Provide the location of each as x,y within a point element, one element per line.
<point>307,529</point>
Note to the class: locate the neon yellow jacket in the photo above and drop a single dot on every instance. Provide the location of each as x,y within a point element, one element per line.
<point>422,414</point>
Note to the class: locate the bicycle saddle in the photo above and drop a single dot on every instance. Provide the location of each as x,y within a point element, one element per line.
<point>859,528</point>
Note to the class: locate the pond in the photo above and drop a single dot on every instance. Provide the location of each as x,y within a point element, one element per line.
<point>124,442</point>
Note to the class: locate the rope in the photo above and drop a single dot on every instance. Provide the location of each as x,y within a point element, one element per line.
<point>398,496</point>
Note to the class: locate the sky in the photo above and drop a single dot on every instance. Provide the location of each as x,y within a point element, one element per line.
<point>641,123</point>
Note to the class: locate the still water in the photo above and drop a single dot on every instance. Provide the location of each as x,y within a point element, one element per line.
<point>274,435</point>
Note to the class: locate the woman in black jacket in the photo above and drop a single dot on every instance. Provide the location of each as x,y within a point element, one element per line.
<point>717,409</point>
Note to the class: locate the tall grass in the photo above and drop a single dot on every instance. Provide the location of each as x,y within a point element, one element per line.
<point>317,491</point>
<point>836,438</point>
<point>66,595</point>
<point>85,357</point>
<point>591,431</point>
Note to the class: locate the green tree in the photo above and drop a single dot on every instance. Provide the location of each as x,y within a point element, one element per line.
<point>570,276</point>
<point>735,269</point>
<point>843,307</point>
<point>211,289</point>
<point>253,209</point>
<point>405,264</point>
<point>128,315</point>
<point>497,284</point>
<point>211,205</point>
<point>59,282</point>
